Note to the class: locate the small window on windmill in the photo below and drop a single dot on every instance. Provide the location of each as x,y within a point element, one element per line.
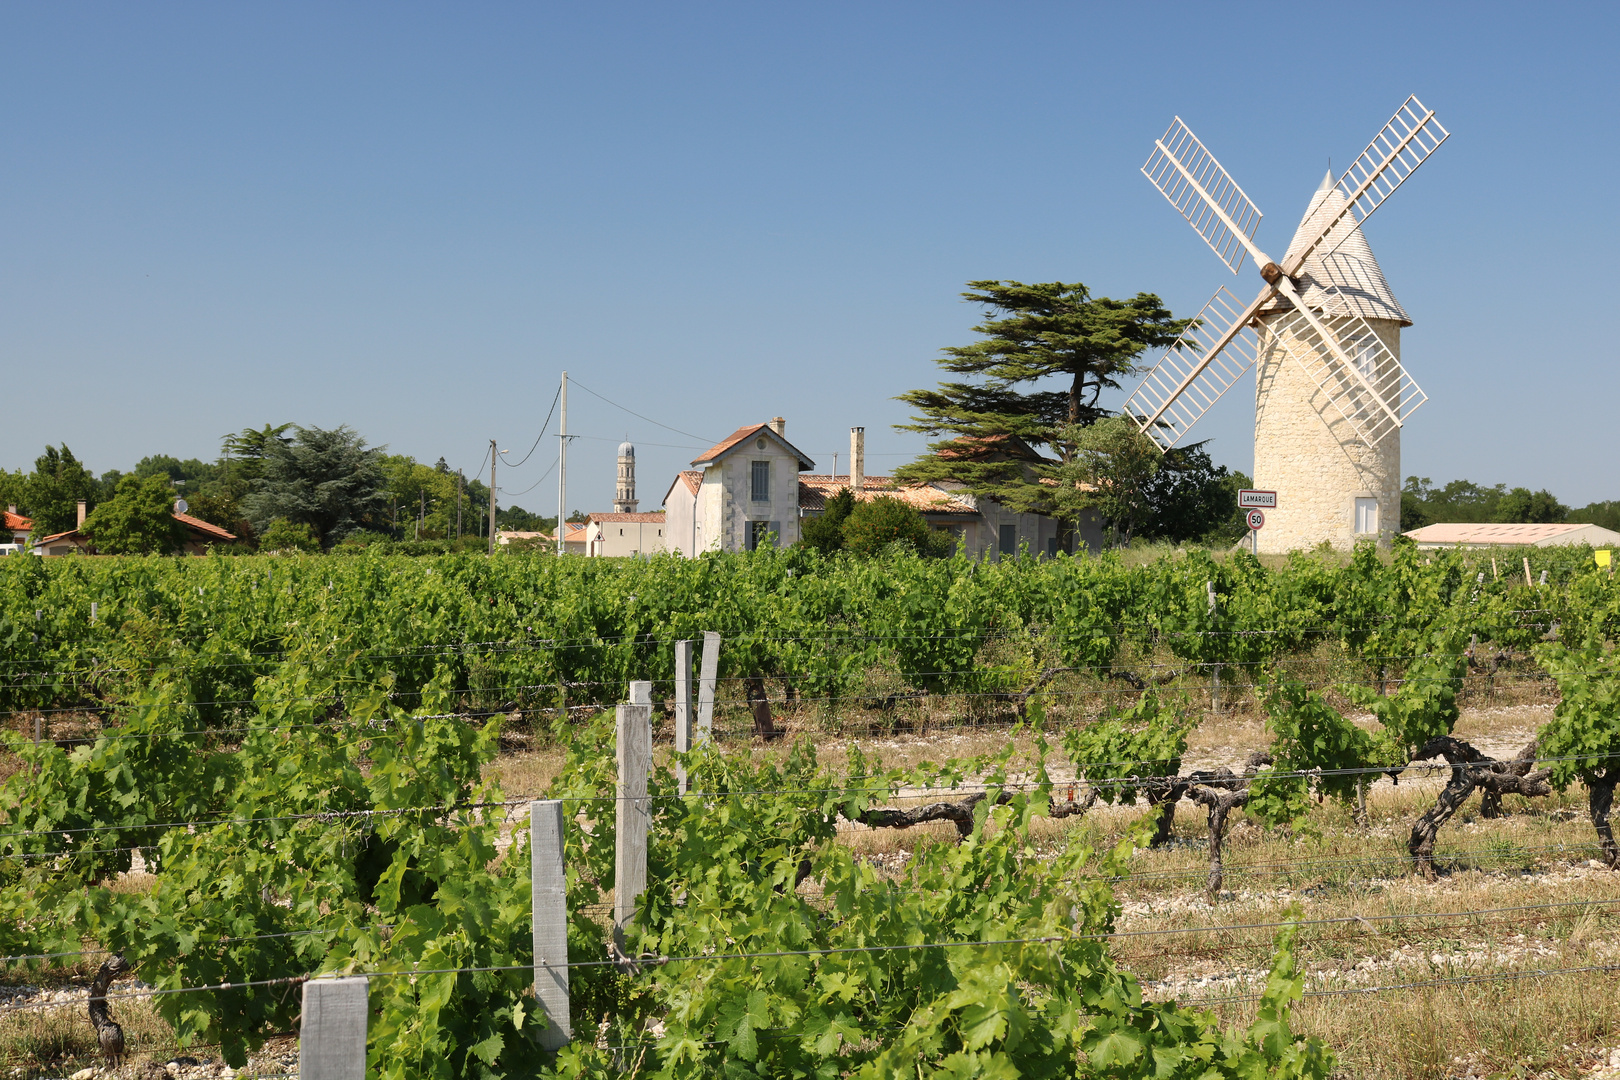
<point>1366,517</point>
<point>1364,354</point>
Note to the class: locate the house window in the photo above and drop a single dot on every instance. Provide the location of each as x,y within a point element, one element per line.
<point>1009,541</point>
<point>760,485</point>
<point>1366,517</point>
<point>763,534</point>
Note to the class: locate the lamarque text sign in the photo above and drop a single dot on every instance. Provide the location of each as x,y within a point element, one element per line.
<point>1264,500</point>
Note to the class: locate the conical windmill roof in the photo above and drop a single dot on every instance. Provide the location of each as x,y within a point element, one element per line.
<point>1350,266</point>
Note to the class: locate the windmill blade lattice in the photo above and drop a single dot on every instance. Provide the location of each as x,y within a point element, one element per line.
<point>1204,193</point>
<point>1394,154</point>
<point>1193,374</point>
<point>1375,395</point>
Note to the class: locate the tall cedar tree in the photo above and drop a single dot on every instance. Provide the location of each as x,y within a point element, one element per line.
<point>1032,333</point>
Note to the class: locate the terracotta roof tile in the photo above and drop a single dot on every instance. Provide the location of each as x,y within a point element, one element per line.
<point>743,434</point>
<point>815,490</point>
<point>208,529</point>
<point>654,517</point>
<point>16,522</point>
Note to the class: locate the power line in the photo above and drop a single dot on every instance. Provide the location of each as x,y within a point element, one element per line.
<point>637,415</point>
<point>537,438</point>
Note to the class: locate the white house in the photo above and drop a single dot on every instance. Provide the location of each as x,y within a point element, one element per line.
<point>754,484</point>
<point>15,532</point>
<point>624,534</point>
<point>738,493</point>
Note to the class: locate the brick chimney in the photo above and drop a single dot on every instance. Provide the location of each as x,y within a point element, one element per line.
<point>81,513</point>
<point>779,426</point>
<point>857,458</point>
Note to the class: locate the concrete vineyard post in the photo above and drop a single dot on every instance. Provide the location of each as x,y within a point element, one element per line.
<point>683,706</point>
<point>641,692</point>
<point>332,1033</point>
<point>706,679</point>
<point>1215,674</point>
<point>550,920</point>
<point>633,813</point>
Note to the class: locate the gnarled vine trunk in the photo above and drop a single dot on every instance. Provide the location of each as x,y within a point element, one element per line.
<point>760,705</point>
<point>1469,770</point>
<point>108,1033</point>
<point>1599,801</point>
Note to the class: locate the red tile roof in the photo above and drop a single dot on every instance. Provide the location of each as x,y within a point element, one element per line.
<point>653,517</point>
<point>16,522</point>
<point>816,489</point>
<point>987,446</point>
<point>208,530</point>
<point>55,536</point>
<point>743,434</point>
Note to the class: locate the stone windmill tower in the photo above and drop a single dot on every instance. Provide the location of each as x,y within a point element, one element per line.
<point>1330,393</point>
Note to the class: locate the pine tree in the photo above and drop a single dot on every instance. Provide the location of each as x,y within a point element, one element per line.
<point>1032,334</point>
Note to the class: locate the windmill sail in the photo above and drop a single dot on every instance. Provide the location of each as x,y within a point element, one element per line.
<point>1358,375</point>
<point>1203,193</point>
<point>1394,154</point>
<point>1211,355</point>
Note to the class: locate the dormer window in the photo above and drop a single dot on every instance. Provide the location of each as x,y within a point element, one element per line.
<point>760,481</point>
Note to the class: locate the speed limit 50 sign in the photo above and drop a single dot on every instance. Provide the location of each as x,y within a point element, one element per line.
<point>1256,519</point>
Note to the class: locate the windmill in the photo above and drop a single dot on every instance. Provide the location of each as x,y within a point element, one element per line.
<point>1330,392</point>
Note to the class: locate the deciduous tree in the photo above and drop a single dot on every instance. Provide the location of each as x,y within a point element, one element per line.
<point>137,520</point>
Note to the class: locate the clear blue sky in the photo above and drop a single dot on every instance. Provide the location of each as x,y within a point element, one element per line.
<point>411,218</point>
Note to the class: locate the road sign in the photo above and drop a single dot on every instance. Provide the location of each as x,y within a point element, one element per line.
<point>1256,519</point>
<point>1248,497</point>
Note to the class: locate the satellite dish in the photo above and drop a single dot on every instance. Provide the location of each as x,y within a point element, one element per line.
<point>180,506</point>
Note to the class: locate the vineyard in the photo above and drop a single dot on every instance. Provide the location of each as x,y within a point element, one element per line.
<point>1202,817</point>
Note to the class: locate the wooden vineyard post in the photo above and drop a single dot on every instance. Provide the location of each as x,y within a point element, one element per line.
<point>683,707</point>
<point>1215,675</point>
<point>1528,583</point>
<point>332,1033</point>
<point>633,815</point>
<point>549,919</point>
<point>706,679</point>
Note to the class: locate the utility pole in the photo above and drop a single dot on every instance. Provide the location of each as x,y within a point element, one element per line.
<point>492,496</point>
<point>458,504</point>
<point>562,470</point>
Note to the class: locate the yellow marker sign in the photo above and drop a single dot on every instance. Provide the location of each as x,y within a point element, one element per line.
<point>1602,556</point>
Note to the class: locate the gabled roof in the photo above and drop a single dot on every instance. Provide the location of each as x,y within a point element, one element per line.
<point>692,478</point>
<point>71,534</point>
<point>645,518</point>
<point>208,530</point>
<point>200,530</point>
<point>1343,259</point>
<point>16,522</point>
<point>744,434</point>
<point>815,489</point>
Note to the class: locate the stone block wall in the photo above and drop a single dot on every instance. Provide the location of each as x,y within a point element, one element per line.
<point>1307,452</point>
